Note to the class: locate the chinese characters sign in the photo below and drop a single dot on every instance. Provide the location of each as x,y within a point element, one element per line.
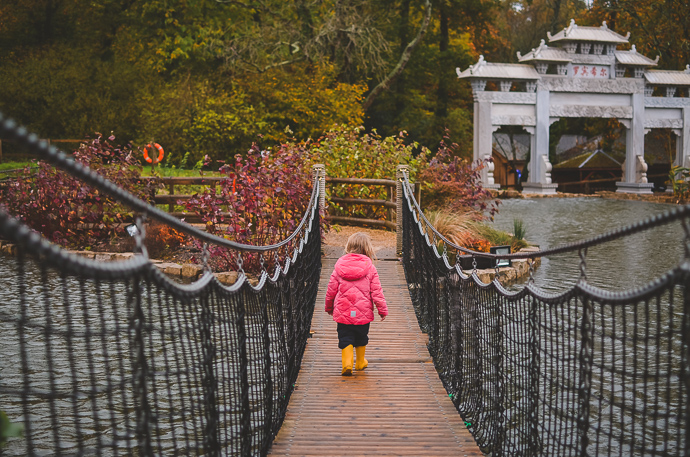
<point>590,71</point>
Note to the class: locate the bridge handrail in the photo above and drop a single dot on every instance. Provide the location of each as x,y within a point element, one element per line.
<point>666,217</point>
<point>150,364</point>
<point>534,372</point>
<point>59,159</point>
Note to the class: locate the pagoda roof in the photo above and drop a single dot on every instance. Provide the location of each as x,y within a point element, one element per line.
<point>583,33</point>
<point>668,77</point>
<point>633,57</point>
<point>544,53</point>
<point>486,70</point>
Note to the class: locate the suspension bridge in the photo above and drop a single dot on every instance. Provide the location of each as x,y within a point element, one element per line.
<point>117,359</point>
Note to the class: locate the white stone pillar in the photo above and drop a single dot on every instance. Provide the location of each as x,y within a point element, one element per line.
<point>683,140</point>
<point>635,172</point>
<point>475,133</point>
<point>539,178</point>
<point>483,141</point>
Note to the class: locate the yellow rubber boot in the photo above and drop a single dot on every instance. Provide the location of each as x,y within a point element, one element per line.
<point>362,363</point>
<point>348,359</point>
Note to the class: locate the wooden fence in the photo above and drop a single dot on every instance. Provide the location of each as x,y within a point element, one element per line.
<point>48,140</point>
<point>171,198</point>
<point>588,186</point>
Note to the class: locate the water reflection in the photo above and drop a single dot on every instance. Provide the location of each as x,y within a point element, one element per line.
<point>618,265</point>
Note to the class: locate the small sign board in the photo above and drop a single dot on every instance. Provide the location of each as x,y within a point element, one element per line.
<point>590,71</point>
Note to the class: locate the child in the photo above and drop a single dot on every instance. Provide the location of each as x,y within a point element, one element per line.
<point>352,292</point>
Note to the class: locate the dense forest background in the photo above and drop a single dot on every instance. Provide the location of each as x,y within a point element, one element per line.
<point>213,76</point>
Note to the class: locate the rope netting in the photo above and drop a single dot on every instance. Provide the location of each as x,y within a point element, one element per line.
<point>115,358</point>
<point>584,372</point>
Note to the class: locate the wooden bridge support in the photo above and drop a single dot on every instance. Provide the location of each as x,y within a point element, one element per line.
<point>319,171</point>
<point>400,172</point>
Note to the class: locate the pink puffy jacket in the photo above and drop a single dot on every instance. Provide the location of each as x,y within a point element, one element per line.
<point>353,291</point>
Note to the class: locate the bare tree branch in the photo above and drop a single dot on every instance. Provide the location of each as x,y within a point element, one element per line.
<point>404,58</point>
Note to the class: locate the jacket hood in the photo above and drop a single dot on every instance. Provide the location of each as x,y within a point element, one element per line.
<point>352,267</point>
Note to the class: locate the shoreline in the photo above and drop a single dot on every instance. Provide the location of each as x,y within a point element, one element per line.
<point>657,197</point>
<point>190,272</point>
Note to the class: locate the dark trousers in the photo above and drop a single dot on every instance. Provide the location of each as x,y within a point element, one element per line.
<point>350,334</point>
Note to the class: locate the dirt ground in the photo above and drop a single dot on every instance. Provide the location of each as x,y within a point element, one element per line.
<point>339,234</point>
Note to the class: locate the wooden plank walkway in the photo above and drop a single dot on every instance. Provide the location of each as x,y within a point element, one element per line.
<point>396,407</point>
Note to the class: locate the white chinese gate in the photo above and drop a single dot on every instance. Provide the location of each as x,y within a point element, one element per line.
<point>584,77</point>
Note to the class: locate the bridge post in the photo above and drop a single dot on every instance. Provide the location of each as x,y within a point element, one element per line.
<point>399,175</point>
<point>319,172</point>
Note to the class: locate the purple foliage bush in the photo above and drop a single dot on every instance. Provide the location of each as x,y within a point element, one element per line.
<point>260,202</point>
<point>455,184</point>
<point>68,212</point>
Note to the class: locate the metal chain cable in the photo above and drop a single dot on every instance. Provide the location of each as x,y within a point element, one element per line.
<point>205,257</point>
<point>140,236</point>
<point>583,263</point>
<point>530,262</point>
<point>240,263</point>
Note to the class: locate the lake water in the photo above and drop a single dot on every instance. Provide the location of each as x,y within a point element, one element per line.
<point>617,265</point>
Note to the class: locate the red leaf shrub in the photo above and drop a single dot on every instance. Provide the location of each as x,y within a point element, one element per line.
<point>68,212</point>
<point>455,184</point>
<point>261,202</point>
<point>162,239</point>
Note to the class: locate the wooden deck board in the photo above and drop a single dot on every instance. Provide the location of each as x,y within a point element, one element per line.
<point>396,407</point>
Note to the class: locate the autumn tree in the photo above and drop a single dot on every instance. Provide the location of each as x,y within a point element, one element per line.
<point>214,76</point>
<point>524,23</point>
<point>427,99</point>
<point>657,27</point>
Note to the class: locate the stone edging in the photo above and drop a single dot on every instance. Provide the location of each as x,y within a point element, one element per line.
<point>190,272</point>
<point>659,197</point>
<point>518,269</point>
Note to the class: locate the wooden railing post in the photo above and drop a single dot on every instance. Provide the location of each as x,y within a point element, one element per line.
<point>319,171</point>
<point>400,172</point>
<point>171,191</point>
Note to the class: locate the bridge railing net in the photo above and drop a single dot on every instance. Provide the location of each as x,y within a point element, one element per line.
<point>118,359</point>
<point>585,372</point>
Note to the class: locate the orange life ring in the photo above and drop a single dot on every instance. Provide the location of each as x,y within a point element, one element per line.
<point>161,153</point>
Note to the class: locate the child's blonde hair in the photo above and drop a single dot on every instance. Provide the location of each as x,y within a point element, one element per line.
<point>360,243</point>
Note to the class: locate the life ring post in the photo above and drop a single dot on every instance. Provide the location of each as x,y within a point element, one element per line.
<point>153,159</point>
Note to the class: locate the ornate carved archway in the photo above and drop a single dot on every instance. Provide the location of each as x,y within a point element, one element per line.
<point>583,76</point>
